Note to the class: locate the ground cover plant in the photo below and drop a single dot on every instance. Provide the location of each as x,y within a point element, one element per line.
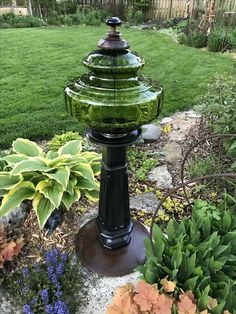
<point>50,286</point>
<point>198,254</point>
<point>36,64</point>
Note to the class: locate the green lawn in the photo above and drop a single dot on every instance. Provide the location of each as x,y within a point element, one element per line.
<point>36,63</point>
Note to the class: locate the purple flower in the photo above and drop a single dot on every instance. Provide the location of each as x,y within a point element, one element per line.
<point>33,301</point>
<point>25,272</point>
<point>25,289</point>
<point>44,296</point>
<point>61,308</point>
<point>64,257</point>
<point>58,294</point>
<point>27,309</point>
<point>51,257</point>
<point>60,269</point>
<point>49,309</point>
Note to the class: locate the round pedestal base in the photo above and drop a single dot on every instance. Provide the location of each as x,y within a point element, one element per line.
<point>117,262</point>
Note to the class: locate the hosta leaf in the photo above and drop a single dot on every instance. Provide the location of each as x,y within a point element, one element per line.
<point>23,191</point>
<point>83,170</point>
<point>14,159</point>
<point>71,184</point>
<point>43,208</point>
<point>96,167</point>
<point>26,147</point>
<point>60,161</point>
<point>220,249</point>
<point>68,199</point>
<point>51,154</point>
<point>219,308</point>
<point>148,247</point>
<point>91,156</point>
<point>92,194</point>
<point>157,234</point>
<point>73,148</point>
<point>170,231</point>
<point>85,184</point>
<point>51,190</point>
<point>8,182</point>
<point>176,259</point>
<point>61,175</point>
<point>190,265</point>
<point>32,164</point>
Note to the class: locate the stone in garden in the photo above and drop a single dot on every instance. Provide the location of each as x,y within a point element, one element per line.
<point>173,152</point>
<point>6,304</point>
<point>166,120</point>
<point>16,215</point>
<point>146,202</point>
<point>161,177</point>
<point>145,27</point>
<point>150,132</point>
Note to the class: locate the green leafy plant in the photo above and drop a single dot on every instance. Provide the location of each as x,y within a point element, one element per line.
<point>8,247</point>
<point>59,140</point>
<point>218,107</point>
<point>194,39</point>
<point>202,166</point>
<point>43,287</point>
<point>50,180</point>
<point>199,254</point>
<point>220,40</point>
<point>140,163</point>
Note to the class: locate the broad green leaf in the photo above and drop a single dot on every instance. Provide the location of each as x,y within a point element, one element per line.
<point>72,148</point>
<point>23,191</point>
<point>96,166</point>
<point>177,256</point>
<point>91,156</point>
<point>148,247</point>
<point>83,170</point>
<point>51,155</point>
<point>14,159</point>
<point>26,147</point>
<point>85,184</point>
<point>170,231</point>
<point>190,265</point>
<point>190,283</point>
<point>51,190</point>
<point>60,161</point>
<point>219,308</point>
<point>68,199</point>
<point>226,223</point>
<point>157,234</point>
<point>60,175</point>
<point>32,164</point>
<point>8,182</point>
<point>71,184</point>
<point>204,299</point>
<point>92,194</point>
<point>220,249</point>
<point>43,208</point>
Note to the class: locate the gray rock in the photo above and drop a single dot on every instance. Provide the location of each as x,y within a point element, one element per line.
<point>16,215</point>
<point>6,304</point>
<point>173,152</point>
<point>145,27</point>
<point>166,120</point>
<point>161,177</point>
<point>150,132</point>
<point>146,202</point>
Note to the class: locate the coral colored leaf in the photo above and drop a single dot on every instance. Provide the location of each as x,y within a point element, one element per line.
<point>8,251</point>
<point>146,296</point>
<point>19,244</point>
<point>122,301</point>
<point>168,286</point>
<point>212,303</point>
<point>186,305</point>
<point>163,305</point>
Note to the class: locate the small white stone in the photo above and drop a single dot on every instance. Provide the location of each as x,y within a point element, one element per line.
<point>161,177</point>
<point>166,120</point>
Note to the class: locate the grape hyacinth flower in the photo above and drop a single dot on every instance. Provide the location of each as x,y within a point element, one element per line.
<point>44,296</point>
<point>27,309</point>
<point>61,308</point>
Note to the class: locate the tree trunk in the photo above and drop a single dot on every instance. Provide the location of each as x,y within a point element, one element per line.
<point>211,16</point>
<point>30,7</point>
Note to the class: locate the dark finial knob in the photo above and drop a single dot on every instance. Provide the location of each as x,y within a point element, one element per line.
<point>113,22</point>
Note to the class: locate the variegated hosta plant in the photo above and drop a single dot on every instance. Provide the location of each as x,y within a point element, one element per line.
<point>48,179</point>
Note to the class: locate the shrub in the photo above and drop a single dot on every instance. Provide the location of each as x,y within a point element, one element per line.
<point>49,179</point>
<point>5,25</point>
<point>54,285</point>
<point>218,107</point>
<point>59,140</point>
<point>194,39</point>
<point>67,20</point>
<point>138,17</point>
<point>20,21</point>
<point>220,40</point>
<point>199,254</point>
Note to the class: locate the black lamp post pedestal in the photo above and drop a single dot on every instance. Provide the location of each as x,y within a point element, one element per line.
<point>112,244</point>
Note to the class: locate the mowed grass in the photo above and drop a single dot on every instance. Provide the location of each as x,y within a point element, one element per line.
<point>36,64</point>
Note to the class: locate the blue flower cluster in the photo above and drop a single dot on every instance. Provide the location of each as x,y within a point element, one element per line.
<point>50,298</point>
